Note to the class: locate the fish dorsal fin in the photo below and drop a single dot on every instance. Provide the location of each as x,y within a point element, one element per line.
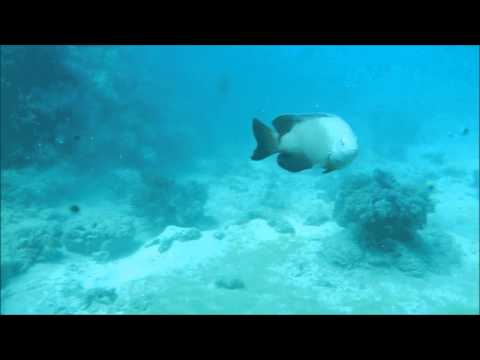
<point>322,114</point>
<point>284,123</point>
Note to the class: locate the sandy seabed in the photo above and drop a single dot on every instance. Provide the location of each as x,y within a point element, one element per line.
<point>273,249</point>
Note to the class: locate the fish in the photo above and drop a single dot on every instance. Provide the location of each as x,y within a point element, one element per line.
<point>306,141</point>
<point>465,131</point>
<point>74,209</point>
<point>224,86</point>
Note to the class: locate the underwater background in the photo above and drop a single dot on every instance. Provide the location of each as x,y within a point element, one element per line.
<point>127,185</point>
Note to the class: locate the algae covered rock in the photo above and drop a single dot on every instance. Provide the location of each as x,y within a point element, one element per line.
<point>281,225</point>
<point>28,243</point>
<point>169,202</point>
<point>174,233</point>
<point>100,295</point>
<point>219,234</point>
<point>230,284</point>
<point>341,250</point>
<point>411,264</point>
<point>317,219</point>
<point>8,269</point>
<point>380,207</point>
<point>88,236</point>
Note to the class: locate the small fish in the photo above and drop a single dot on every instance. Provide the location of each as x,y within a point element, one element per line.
<point>75,209</point>
<point>223,85</point>
<point>60,140</point>
<point>464,132</point>
<point>430,186</point>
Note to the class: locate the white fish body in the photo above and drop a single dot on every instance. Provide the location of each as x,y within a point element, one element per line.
<point>307,140</point>
<point>321,139</point>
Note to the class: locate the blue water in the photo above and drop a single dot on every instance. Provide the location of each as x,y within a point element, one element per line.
<point>128,188</point>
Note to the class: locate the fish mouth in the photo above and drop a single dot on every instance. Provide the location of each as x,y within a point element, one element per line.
<point>346,157</point>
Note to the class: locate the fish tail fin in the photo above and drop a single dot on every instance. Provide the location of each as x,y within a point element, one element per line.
<point>267,143</point>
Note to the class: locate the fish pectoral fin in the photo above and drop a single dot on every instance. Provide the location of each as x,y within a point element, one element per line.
<point>329,166</point>
<point>294,162</point>
<point>283,124</point>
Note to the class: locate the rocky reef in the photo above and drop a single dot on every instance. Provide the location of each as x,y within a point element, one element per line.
<point>100,295</point>
<point>27,244</point>
<point>230,284</point>
<point>164,201</point>
<point>102,239</point>
<point>381,208</point>
<point>172,234</point>
<point>386,226</point>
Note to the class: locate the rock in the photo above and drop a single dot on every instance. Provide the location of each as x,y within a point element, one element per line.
<point>174,233</point>
<point>115,236</point>
<point>151,242</point>
<point>379,259</point>
<point>316,219</point>
<point>411,264</point>
<point>29,250</point>
<point>105,296</point>
<point>381,207</point>
<point>438,251</point>
<point>341,250</point>
<point>188,235</point>
<point>79,241</point>
<point>325,283</point>
<point>164,246</point>
<point>9,269</point>
<point>282,226</point>
<point>101,256</point>
<point>29,244</point>
<point>230,284</point>
<point>219,235</point>
<point>72,288</point>
<point>50,254</point>
<point>252,215</point>
<point>169,201</point>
